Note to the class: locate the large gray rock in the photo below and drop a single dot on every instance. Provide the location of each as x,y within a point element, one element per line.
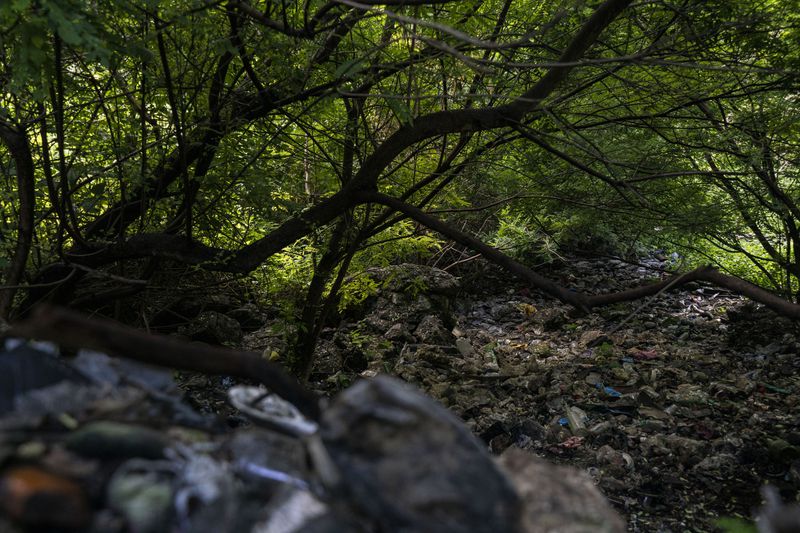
<point>558,498</point>
<point>412,278</point>
<point>408,464</point>
<point>413,304</point>
<point>213,327</point>
<point>406,294</point>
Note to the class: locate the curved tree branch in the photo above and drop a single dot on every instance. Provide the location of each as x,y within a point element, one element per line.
<point>470,120</point>
<point>75,331</point>
<point>708,274</point>
<point>432,125</point>
<point>494,255</point>
<point>579,300</point>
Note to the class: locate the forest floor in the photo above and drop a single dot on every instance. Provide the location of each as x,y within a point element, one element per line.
<point>690,406</point>
<point>680,409</point>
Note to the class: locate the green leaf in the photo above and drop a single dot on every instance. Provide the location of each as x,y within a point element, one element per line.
<point>20,5</point>
<point>37,40</point>
<point>736,525</point>
<point>69,34</point>
<point>350,68</point>
<point>69,31</point>
<point>401,110</point>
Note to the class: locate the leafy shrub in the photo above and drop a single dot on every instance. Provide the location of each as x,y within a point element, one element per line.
<point>518,236</point>
<point>585,232</point>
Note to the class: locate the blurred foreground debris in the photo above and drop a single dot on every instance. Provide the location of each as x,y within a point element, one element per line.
<point>108,446</point>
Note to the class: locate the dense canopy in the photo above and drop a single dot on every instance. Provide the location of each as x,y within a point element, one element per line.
<point>297,142</point>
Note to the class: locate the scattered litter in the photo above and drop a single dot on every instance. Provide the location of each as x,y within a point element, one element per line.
<point>572,442</point>
<point>608,390</point>
<point>644,355</point>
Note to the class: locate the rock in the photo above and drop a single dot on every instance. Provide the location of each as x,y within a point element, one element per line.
<point>622,375</point>
<point>649,395</point>
<point>249,316</point>
<point>299,511</point>
<point>781,451</point>
<point>717,466</point>
<point>438,356</point>
<point>382,319</point>
<point>274,336</point>
<point>107,439</point>
<point>102,369</point>
<point>592,338</point>
<point>558,498</point>
<point>684,449</point>
<point>410,278</point>
<point>213,327</point>
<point>207,497</point>
<point>601,428</point>
<point>431,330</point>
<point>616,462</point>
<point>689,395</point>
<point>593,378</point>
<point>410,298</point>
<point>464,347</point>
<point>25,368</point>
<point>528,431</point>
<point>411,465</point>
<point>398,332</point>
<point>553,320</point>
<point>653,412</point>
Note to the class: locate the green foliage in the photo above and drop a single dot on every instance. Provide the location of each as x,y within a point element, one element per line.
<point>764,272</point>
<point>587,232</point>
<point>417,285</point>
<point>401,111</point>
<point>28,26</point>
<point>399,243</point>
<point>736,525</point>
<point>517,236</point>
<point>369,345</point>
<point>357,289</point>
<point>285,277</point>
<point>605,350</point>
<point>542,241</point>
<point>677,130</point>
<point>350,68</point>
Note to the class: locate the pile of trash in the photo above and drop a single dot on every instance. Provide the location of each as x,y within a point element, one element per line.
<point>98,444</point>
<point>680,407</point>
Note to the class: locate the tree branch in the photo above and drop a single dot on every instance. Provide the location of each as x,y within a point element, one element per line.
<point>73,330</point>
<point>17,144</point>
